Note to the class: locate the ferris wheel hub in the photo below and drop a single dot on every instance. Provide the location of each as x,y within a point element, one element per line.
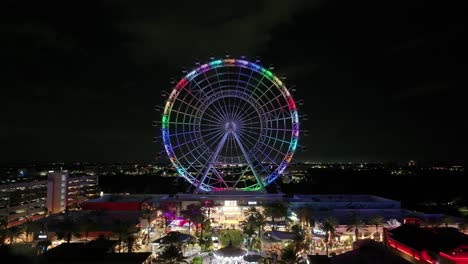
<point>230,127</point>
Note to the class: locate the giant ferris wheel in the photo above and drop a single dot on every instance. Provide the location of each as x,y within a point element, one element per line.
<point>230,125</point>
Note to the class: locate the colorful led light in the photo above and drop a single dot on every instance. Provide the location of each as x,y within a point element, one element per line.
<point>190,76</point>
<point>293,144</point>
<point>230,63</point>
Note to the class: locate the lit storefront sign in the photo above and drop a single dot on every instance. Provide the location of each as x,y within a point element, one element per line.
<point>230,203</point>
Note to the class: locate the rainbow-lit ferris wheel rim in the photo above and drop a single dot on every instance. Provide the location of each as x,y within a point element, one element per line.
<point>185,83</point>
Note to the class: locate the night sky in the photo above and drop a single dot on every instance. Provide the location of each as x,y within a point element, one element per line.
<point>381,80</point>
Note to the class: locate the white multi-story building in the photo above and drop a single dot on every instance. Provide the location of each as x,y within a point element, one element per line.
<point>20,201</point>
<point>33,198</point>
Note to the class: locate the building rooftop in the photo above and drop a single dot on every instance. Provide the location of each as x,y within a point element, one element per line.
<point>229,195</point>
<point>279,235</point>
<point>341,198</point>
<point>437,240</point>
<point>368,252</point>
<point>98,251</point>
<point>105,220</point>
<point>99,246</point>
<point>229,251</point>
<point>174,237</point>
<point>242,195</point>
<point>116,198</point>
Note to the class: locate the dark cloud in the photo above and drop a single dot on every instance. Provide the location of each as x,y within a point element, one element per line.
<point>380,80</point>
<point>173,32</point>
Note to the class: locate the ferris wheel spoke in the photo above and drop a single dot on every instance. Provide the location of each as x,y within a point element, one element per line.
<point>238,109</point>
<point>256,88</point>
<point>251,116</point>
<point>269,129</point>
<point>210,85</point>
<point>213,157</point>
<point>247,158</point>
<point>259,164</point>
<point>220,178</point>
<point>183,133</point>
<point>197,158</point>
<point>218,83</point>
<point>237,106</point>
<point>204,129</point>
<point>228,107</point>
<point>224,107</point>
<point>265,92</point>
<point>194,108</point>
<point>248,83</point>
<point>241,177</point>
<point>266,145</point>
<point>245,136</point>
<point>188,124</point>
<point>194,139</point>
<point>270,137</point>
<point>201,102</point>
<point>245,113</point>
<point>244,110</point>
<point>185,114</point>
<point>255,149</point>
<point>268,114</point>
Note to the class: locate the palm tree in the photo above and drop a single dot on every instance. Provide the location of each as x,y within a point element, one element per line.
<point>172,254</point>
<point>199,218</point>
<point>251,211</point>
<point>355,223</point>
<point>329,225</point>
<point>119,228</point>
<point>30,227</point>
<point>13,233</point>
<point>250,222</point>
<point>205,226</point>
<point>462,226</point>
<point>67,229</point>
<point>3,227</point>
<point>434,222</point>
<point>88,224</point>
<point>3,224</point>
<point>207,205</point>
<point>304,215</point>
<point>447,219</point>
<point>165,211</point>
<point>298,238</point>
<point>376,220</point>
<point>147,214</point>
<point>43,245</point>
<point>249,226</point>
<point>129,239</point>
<point>276,210</point>
<point>261,221</point>
<point>124,231</point>
<point>288,255</point>
<point>193,214</point>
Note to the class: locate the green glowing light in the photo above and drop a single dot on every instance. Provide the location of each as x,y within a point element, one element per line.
<point>267,72</point>
<point>165,121</point>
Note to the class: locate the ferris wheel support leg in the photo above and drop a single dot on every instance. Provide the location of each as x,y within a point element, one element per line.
<point>212,159</point>
<point>249,161</point>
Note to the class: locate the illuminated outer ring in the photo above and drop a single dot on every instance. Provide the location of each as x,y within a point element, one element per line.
<point>183,83</point>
